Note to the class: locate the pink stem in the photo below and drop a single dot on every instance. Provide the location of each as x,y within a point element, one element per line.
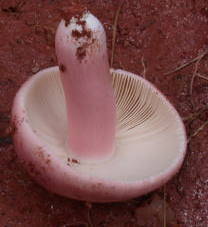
<point>91,110</point>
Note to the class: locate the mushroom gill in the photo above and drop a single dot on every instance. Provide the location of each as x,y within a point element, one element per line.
<point>150,137</point>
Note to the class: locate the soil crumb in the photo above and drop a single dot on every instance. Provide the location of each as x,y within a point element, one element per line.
<point>74,10</point>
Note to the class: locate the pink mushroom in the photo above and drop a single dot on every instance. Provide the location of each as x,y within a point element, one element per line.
<point>92,133</point>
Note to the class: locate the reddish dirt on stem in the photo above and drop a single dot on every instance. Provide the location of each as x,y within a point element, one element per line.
<point>165,34</point>
<point>74,10</point>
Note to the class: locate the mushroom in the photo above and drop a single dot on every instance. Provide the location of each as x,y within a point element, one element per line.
<point>92,133</point>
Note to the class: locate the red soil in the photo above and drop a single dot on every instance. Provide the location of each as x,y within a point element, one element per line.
<point>160,35</point>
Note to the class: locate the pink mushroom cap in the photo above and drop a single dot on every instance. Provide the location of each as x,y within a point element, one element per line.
<point>147,143</point>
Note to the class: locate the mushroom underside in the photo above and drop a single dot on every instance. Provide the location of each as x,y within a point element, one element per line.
<point>150,137</point>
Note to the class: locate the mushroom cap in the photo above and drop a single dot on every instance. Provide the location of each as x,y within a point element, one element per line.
<point>150,142</point>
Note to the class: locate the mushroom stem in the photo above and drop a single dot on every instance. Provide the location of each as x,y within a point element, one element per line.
<point>84,68</point>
